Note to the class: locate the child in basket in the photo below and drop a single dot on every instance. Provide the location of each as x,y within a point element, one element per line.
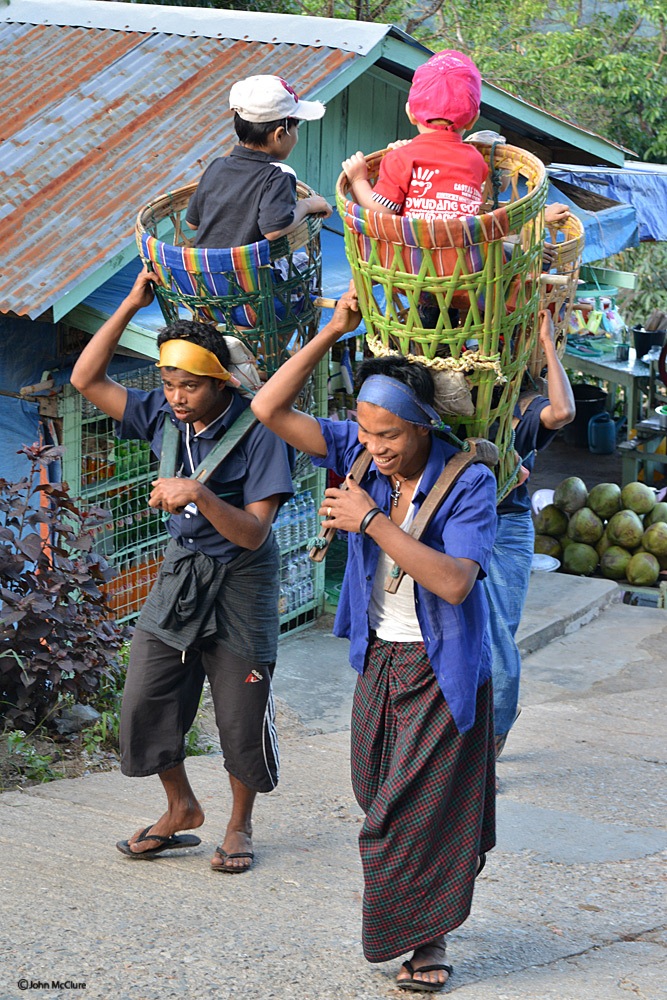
<point>250,194</point>
<point>435,175</point>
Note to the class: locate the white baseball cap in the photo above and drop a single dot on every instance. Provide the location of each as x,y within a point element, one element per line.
<point>268,98</point>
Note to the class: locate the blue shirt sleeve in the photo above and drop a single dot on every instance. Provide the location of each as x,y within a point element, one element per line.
<point>342,441</point>
<point>530,434</point>
<point>268,467</point>
<point>469,528</point>
<point>143,413</point>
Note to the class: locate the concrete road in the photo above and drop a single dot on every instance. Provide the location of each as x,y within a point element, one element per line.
<point>571,905</point>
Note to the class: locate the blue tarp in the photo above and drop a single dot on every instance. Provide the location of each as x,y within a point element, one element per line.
<point>336,276</point>
<point>606,231</point>
<point>108,297</point>
<point>26,351</point>
<point>19,421</point>
<point>641,185</point>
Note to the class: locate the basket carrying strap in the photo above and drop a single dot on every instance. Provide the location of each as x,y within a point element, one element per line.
<point>523,404</point>
<point>216,456</point>
<point>327,535</point>
<point>480,450</point>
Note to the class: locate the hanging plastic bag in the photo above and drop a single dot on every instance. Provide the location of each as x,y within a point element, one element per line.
<point>243,365</point>
<point>612,322</point>
<point>594,321</point>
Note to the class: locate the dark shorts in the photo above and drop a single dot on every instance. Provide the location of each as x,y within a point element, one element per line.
<point>160,701</point>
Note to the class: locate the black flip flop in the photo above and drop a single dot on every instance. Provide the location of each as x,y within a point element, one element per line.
<point>418,985</point>
<point>177,840</point>
<point>232,870</point>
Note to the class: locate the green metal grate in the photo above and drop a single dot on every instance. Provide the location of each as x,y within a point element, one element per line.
<point>116,476</point>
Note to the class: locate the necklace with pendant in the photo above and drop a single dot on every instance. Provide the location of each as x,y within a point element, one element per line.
<point>395,495</point>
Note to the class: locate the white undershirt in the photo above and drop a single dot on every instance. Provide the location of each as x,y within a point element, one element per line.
<point>393,616</point>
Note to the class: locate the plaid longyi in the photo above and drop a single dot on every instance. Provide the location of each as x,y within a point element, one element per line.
<point>428,792</point>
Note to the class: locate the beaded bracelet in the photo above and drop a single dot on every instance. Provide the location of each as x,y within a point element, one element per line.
<point>368,518</point>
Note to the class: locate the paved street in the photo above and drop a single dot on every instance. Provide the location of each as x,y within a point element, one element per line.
<point>570,906</point>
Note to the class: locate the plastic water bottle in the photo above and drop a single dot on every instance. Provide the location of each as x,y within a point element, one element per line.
<point>291,524</point>
<point>304,565</point>
<point>311,516</point>
<point>302,520</point>
<point>278,527</point>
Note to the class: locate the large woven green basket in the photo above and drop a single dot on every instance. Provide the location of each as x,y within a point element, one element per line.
<point>559,285</point>
<point>487,297</point>
<point>272,317</point>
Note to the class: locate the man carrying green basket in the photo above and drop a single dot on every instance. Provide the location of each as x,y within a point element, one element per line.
<point>422,720</point>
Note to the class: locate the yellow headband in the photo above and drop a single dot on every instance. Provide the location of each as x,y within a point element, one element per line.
<point>192,358</point>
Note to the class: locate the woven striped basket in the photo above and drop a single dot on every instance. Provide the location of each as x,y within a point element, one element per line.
<point>463,265</point>
<point>273,317</point>
<point>559,287</point>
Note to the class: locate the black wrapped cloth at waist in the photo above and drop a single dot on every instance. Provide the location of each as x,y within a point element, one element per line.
<point>196,597</point>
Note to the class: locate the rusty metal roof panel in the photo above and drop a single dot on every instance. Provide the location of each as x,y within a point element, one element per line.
<point>203,22</point>
<point>98,121</point>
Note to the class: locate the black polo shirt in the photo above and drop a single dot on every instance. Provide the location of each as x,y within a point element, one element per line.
<point>240,197</point>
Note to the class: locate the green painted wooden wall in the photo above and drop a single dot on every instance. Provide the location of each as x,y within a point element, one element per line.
<point>366,115</point>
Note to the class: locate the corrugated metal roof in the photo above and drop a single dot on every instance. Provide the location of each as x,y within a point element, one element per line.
<point>105,105</point>
<point>204,22</point>
<point>98,121</point>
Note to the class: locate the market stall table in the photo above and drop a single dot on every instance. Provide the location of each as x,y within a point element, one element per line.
<point>636,377</point>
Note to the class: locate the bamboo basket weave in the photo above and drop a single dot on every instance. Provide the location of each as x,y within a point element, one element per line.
<point>559,294</point>
<point>462,265</point>
<point>278,316</point>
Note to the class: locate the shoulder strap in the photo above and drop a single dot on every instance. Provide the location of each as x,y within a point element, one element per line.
<point>523,404</point>
<point>326,536</point>
<point>233,436</point>
<point>480,450</point>
<point>171,437</point>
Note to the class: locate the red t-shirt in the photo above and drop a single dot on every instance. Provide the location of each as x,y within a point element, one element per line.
<point>435,176</point>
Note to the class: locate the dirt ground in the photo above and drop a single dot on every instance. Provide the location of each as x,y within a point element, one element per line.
<point>42,759</point>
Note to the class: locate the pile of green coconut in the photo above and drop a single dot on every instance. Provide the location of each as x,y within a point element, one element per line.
<point>621,532</point>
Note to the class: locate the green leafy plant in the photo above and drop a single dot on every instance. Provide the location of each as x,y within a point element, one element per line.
<point>105,732</point>
<point>103,735</point>
<point>602,70</point>
<point>32,765</point>
<point>649,263</point>
<point>195,746</point>
<point>57,641</point>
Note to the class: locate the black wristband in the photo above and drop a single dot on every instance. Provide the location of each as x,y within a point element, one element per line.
<point>368,518</point>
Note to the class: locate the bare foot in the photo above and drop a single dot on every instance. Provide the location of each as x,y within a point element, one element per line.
<point>237,842</point>
<point>172,821</point>
<point>427,955</point>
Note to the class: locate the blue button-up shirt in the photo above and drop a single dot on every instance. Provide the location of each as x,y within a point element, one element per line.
<point>530,437</point>
<point>256,469</point>
<point>464,527</point>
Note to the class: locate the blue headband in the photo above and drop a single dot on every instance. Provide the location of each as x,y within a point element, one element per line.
<point>399,399</point>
